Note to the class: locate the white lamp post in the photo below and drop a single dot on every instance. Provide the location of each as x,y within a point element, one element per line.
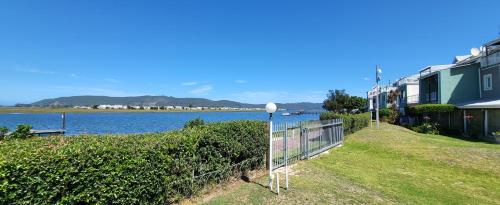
<point>271,108</point>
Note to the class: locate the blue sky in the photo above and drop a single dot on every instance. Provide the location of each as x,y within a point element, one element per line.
<point>249,51</point>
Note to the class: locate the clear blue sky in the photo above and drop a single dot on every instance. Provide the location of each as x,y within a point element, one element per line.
<point>249,51</point>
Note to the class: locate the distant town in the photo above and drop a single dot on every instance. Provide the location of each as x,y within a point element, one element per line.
<point>136,107</point>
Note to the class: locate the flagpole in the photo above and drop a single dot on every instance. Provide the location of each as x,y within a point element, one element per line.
<point>377,78</point>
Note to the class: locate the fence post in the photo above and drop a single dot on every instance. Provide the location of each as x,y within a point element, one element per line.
<point>302,142</point>
<point>286,156</point>
<point>342,131</point>
<point>320,133</point>
<point>306,137</point>
<point>278,183</point>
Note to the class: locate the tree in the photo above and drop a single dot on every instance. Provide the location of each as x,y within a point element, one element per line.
<point>336,100</point>
<point>339,101</point>
<point>356,103</point>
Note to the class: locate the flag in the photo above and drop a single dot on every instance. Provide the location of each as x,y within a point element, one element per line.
<point>378,71</point>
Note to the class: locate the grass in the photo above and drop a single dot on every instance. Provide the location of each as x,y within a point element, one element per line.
<point>78,110</point>
<point>392,165</point>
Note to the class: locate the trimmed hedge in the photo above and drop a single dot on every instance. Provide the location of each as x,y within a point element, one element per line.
<point>352,123</point>
<point>156,168</point>
<point>431,108</point>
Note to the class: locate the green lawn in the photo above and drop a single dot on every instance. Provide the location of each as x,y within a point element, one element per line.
<point>392,165</point>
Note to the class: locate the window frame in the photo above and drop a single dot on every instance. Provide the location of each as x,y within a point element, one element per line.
<point>488,82</point>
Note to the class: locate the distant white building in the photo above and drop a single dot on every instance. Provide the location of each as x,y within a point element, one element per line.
<point>82,107</point>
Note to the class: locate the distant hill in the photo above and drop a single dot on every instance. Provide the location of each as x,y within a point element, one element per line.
<point>161,101</point>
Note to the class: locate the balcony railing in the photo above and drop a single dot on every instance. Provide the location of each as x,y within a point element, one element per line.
<point>490,60</point>
<point>412,99</point>
<point>431,97</point>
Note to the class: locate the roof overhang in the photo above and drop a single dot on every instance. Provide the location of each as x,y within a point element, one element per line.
<point>480,104</point>
<point>495,42</point>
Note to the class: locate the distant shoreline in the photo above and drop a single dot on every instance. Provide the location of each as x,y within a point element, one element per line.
<point>7,110</point>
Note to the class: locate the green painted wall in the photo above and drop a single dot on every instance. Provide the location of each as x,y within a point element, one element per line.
<point>459,84</point>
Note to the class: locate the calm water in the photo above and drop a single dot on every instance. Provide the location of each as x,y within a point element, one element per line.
<point>101,123</point>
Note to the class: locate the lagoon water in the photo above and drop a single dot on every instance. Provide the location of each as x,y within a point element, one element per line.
<point>118,123</point>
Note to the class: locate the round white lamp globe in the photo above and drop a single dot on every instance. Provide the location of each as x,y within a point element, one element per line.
<point>271,107</point>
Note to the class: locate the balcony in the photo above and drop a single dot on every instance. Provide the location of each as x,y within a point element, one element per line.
<point>412,99</point>
<point>489,60</point>
<point>431,97</point>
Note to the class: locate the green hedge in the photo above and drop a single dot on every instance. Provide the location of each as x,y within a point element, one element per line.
<point>385,113</point>
<point>154,168</point>
<point>431,108</point>
<point>352,123</point>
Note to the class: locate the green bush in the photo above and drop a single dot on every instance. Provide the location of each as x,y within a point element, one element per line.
<point>154,168</point>
<point>431,108</point>
<point>3,131</point>
<point>194,122</point>
<point>21,132</point>
<point>351,123</point>
<point>384,112</point>
<point>427,128</point>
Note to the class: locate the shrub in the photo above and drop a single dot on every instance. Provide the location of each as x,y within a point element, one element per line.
<point>384,112</point>
<point>3,131</point>
<point>431,108</point>
<point>21,132</point>
<point>427,128</point>
<point>194,122</point>
<point>351,123</point>
<point>154,168</point>
<point>389,115</point>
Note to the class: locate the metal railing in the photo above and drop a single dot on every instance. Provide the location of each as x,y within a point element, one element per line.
<point>412,99</point>
<point>302,140</point>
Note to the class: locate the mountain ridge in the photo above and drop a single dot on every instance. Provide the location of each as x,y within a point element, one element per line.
<point>149,100</point>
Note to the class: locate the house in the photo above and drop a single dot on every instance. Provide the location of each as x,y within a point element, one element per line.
<point>481,116</point>
<point>438,83</point>
<point>408,92</point>
<point>385,91</point>
<point>383,96</point>
<point>472,83</point>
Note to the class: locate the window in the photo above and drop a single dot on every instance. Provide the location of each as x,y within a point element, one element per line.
<point>487,82</point>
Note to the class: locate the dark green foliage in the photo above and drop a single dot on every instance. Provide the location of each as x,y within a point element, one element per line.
<point>339,101</point>
<point>352,123</point>
<point>336,100</point>
<point>431,108</point>
<point>356,102</point>
<point>21,132</point>
<point>427,128</point>
<point>194,122</point>
<point>154,168</point>
<point>3,131</point>
<point>388,115</point>
<point>428,115</point>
